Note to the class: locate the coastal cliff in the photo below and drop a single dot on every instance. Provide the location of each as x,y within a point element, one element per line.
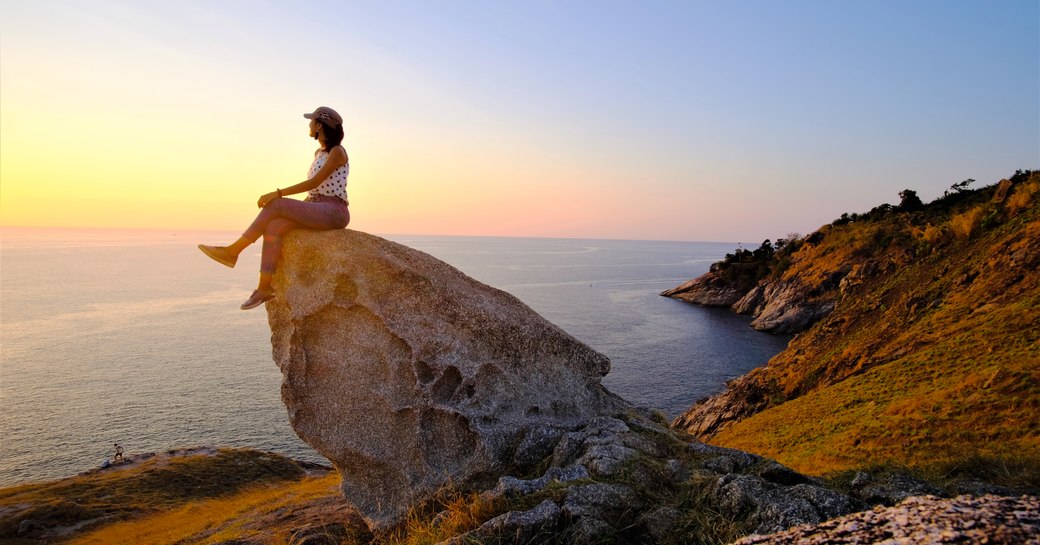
<point>919,342</point>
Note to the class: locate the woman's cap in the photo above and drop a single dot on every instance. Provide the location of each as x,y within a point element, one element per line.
<point>326,115</point>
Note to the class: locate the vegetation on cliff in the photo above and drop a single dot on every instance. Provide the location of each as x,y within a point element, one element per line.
<point>164,498</point>
<point>931,354</point>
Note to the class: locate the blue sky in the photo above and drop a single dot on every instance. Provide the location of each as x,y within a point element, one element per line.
<point>730,121</point>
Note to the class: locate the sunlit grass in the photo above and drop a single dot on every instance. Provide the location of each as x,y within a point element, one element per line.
<point>143,488</point>
<point>452,514</point>
<point>933,361</point>
<point>216,520</point>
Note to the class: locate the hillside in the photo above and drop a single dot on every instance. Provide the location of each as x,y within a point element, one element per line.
<point>201,495</point>
<point>928,353</point>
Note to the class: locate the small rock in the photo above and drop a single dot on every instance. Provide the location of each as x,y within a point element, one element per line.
<point>659,523</point>
<point>523,527</point>
<point>600,500</point>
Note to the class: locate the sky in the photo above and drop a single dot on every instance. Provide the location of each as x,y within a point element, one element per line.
<point>693,120</point>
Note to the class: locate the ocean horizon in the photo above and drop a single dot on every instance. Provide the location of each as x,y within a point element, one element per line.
<point>134,337</point>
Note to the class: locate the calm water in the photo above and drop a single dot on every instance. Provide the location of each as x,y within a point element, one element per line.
<point>135,337</point>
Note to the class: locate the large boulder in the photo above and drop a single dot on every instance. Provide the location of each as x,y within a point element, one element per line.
<point>411,376</point>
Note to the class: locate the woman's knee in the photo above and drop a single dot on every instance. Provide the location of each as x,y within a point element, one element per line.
<point>344,220</point>
<point>277,227</point>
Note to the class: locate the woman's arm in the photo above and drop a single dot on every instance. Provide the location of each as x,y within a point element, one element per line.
<point>337,158</point>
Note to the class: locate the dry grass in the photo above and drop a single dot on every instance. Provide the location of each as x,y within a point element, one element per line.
<point>1022,197</point>
<point>217,520</point>
<point>452,514</point>
<point>937,361</point>
<point>150,496</point>
<point>966,223</point>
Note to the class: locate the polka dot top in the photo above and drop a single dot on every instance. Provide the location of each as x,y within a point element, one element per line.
<point>336,184</point>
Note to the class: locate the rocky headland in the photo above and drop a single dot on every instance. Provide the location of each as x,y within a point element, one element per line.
<point>917,341</point>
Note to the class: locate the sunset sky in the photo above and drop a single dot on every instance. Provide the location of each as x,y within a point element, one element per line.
<point>711,121</point>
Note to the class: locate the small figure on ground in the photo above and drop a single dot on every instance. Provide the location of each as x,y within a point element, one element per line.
<point>326,205</point>
<point>119,453</point>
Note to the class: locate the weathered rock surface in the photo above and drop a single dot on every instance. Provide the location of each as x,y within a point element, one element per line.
<point>778,306</point>
<point>926,519</point>
<point>709,289</point>
<point>785,306</point>
<point>743,397</point>
<point>630,479</point>
<point>409,375</point>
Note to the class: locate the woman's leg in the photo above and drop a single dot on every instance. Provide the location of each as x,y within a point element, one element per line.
<point>273,233</point>
<point>285,217</point>
<point>276,219</point>
<point>309,215</point>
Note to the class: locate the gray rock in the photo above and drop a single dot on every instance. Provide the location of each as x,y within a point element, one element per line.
<point>743,397</point>
<point>603,501</point>
<point>752,302</point>
<point>536,445</point>
<point>599,446</point>
<point>790,306</point>
<point>768,507</point>
<point>780,474</point>
<point>606,460</point>
<point>990,520</point>
<point>723,460</point>
<point>512,487</point>
<point>28,526</point>
<point>589,530</point>
<point>678,471</point>
<point>409,375</point>
<point>533,526</point>
<point>890,488</point>
<point>659,523</point>
<point>709,289</point>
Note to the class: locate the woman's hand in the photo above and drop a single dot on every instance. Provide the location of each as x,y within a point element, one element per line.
<point>266,199</point>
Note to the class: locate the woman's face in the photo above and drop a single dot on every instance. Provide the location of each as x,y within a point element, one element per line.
<point>315,126</point>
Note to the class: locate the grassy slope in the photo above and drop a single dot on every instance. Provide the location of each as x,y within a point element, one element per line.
<point>935,359</point>
<point>269,514</point>
<point>147,492</point>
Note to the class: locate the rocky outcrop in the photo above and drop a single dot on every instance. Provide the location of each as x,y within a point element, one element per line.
<point>992,520</point>
<point>789,305</point>
<point>944,291</point>
<point>410,376</point>
<point>631,479</point>
<point>710,289</point>
<point>743,397</point>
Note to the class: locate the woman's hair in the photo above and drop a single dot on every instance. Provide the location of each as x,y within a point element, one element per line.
<point>333,135</point>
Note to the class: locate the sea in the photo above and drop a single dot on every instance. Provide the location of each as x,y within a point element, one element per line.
<point>135,337</point>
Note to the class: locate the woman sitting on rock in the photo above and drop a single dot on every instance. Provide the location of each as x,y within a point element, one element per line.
<point>324,208</point>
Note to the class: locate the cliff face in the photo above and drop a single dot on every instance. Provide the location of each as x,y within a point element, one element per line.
<point>711,289</point>
<point>409,375</point>
<point>785,294</point>
<point>925,345</point>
